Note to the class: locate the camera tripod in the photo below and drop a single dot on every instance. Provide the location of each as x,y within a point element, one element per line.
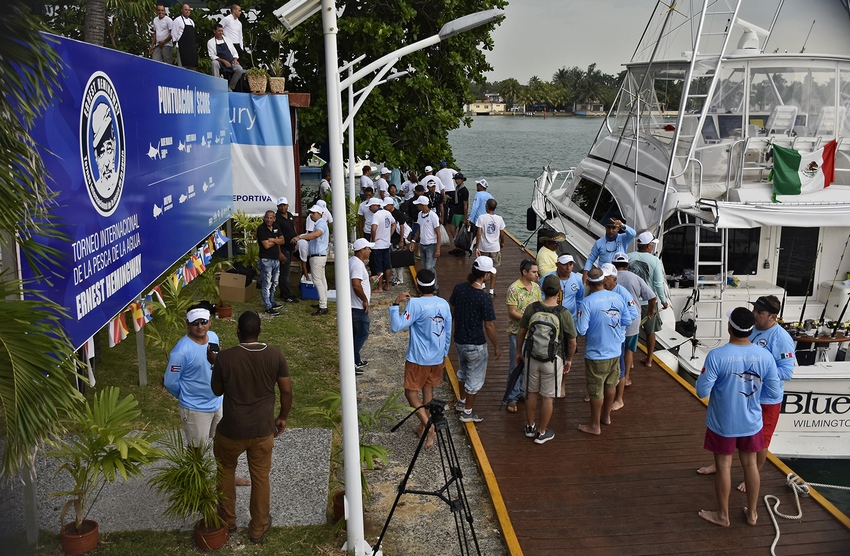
<point>452,475</point>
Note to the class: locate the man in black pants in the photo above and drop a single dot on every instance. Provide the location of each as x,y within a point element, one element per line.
<point>286,223</point>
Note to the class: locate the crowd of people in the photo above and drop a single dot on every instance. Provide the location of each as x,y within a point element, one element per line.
<point>178,35</point>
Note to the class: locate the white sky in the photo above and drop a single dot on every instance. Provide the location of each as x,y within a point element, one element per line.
<point>537,37</point>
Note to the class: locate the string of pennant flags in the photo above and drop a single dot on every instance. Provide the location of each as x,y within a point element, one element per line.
<point>141,311</point>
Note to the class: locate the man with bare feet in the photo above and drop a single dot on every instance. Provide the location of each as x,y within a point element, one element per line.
<point>549,334</point>
<point>640,291</point>
<point>649,267</point>
<point>734,376</point>
<point>602,318</point>
<point>778,342</point>
<point>429,319</point>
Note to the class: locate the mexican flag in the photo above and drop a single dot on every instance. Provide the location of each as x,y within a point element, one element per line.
<point>795,172</point>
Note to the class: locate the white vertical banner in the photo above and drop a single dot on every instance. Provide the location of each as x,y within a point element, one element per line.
<point>262,152</point>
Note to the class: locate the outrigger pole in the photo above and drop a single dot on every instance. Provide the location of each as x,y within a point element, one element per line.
<point>834,278</point>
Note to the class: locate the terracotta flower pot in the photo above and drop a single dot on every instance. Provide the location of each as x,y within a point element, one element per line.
<point>207,539</point>
<point>224,311</point>
<point>339,505</point>
<point>79,542</point>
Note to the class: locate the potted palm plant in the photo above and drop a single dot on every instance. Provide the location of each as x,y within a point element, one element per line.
<point>189,482</point>
<point>277,81</point>
<point>257,80</point>
<point>102,445</point>
<point>207,287</point>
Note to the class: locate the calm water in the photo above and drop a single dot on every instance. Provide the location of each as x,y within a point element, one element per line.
<point>510,152</point>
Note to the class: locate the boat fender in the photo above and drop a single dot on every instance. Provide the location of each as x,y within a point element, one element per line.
<point>530,219</point>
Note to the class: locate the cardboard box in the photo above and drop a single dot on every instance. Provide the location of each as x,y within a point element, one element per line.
<point>232,287</point>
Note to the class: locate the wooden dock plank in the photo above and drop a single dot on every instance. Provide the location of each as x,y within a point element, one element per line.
<point>633,490</point>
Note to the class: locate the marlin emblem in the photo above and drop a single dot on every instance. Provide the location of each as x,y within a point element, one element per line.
<point>613,315</point>
<point>751,380</point>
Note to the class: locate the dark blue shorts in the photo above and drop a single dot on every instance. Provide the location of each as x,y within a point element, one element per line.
<point>380,261</point>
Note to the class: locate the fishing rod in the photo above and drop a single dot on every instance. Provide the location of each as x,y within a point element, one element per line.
<point>840,317</point>
<point>809,287</point>
<point>834,278</point>
<point>785,283</point>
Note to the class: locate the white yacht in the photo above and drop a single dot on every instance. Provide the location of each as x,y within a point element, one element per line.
<point>687,152</point>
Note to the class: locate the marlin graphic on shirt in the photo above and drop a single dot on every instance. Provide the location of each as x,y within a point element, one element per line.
<point>751,381</point>
<point>613,315</point>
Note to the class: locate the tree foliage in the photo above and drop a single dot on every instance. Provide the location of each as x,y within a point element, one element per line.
<point>35,356</point>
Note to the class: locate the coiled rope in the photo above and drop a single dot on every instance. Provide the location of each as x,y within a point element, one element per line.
<point>798,487</point>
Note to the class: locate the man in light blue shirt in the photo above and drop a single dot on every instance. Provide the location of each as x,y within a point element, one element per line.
<point>734,378</point>
<point>603,317</point>
<point>617,238</point>
<point>429,319</point>
<point>479,207</point>
<point>318,256</point>
<point>572,288</point>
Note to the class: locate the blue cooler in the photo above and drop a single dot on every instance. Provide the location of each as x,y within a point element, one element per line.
<point>309,291</point>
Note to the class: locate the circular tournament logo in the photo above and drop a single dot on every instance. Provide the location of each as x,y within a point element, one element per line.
<point>761,342</point>
<point>102,143</point>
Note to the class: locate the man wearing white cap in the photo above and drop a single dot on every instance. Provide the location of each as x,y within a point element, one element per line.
<point>602,318</point>
<point>383,228</point>
<point>429,319</point>
<point>286,222</point>
<point>632,289</point>
<point>188,374</point>
<point>364,214</point>
<point>361,294</point>
<point>428,236</point>
<point>318,256</point>
<point>381,183</point>
<point>572,288</point>
<point>649,267</point>
<point>435,198</point>
<point>429,173</point>
<point>474,318</point>
<point>491,238</point>
<point>479,206</point>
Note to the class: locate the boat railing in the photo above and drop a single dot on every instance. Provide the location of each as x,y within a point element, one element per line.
<point>739,168</point>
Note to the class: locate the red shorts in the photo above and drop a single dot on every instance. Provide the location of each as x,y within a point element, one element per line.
<point>726,445</point>
<point>769,418</point>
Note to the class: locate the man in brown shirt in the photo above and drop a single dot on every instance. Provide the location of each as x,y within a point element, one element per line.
<point>246,375</point>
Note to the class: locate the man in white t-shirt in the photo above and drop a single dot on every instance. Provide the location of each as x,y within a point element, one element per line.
<point>429,174</point>
<point>428,236</point>
<point>364,215</point>
<point>366,181</point>
<point>383,227</point>
<point>491,238</point>
<point>446,176</point>
<point>161,38</point>
<point>381,185</point>
<point>233,28</point>
<point>361,294</point>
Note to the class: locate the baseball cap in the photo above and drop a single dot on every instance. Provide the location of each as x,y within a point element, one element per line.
<point>608,270</point>
<point>423,200</point>
<point>565,259</point>
<point>362,243</point>
<point>646,237</point>
<point>482,183</point>
<point>431,183</point>
<point>429,169</point>
<point>741,319</point>
<point>443,164</point>
<point>317,208</point>
<point>551,285</point>
<point>388,201</point>
<point>375,202</point>
<point>459,176</point>
<point>620,258</point>
<point>764,304</point>
<point>282,201</point>
<point>484,264</point>
<point>385,171</point>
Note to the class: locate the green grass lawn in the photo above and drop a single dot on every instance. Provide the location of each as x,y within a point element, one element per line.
<point>310,345</point>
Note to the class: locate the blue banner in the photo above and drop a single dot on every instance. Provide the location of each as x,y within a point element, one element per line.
<point>263,156</point>
<point>139,153</point>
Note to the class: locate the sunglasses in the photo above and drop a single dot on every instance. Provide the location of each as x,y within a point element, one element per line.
<point>199,322</point>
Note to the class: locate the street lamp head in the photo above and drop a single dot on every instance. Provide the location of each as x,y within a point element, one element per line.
<point>471,21</point>
<point>295,12</point>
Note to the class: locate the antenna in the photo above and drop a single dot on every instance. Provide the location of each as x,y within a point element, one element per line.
<point>807,37</point>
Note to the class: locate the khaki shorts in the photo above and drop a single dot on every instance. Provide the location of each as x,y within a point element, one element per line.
<point>544,376</point>
<point>198,426</point>
<point>652,324</point>
<point>601,374</point>
<point>416,376</point>
<point>497,257</point>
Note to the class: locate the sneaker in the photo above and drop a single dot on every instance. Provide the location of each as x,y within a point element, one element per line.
<point>320,312</point>
<point>272,312</point>
<point>291,299</point>
<point>470,417</point>
<point>531,431</point>
<point>362,363</point>
<point>460,405</point>
<point>277,305</point>
<point>492,293</point>
<point>544,437</point>
<point>359,371</point>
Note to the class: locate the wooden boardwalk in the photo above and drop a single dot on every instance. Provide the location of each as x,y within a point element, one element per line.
<point>633,490</point>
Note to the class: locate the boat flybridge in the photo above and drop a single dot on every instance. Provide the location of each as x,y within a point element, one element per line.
<point>687,152</point>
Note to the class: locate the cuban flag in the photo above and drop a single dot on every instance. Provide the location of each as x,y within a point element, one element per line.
<point>117,330</point>
<point>795,173</point>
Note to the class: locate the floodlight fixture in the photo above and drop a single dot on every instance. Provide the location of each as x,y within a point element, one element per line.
<point>295,12</point>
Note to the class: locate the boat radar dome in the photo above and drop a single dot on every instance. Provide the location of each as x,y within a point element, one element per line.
<point>749,43</point>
